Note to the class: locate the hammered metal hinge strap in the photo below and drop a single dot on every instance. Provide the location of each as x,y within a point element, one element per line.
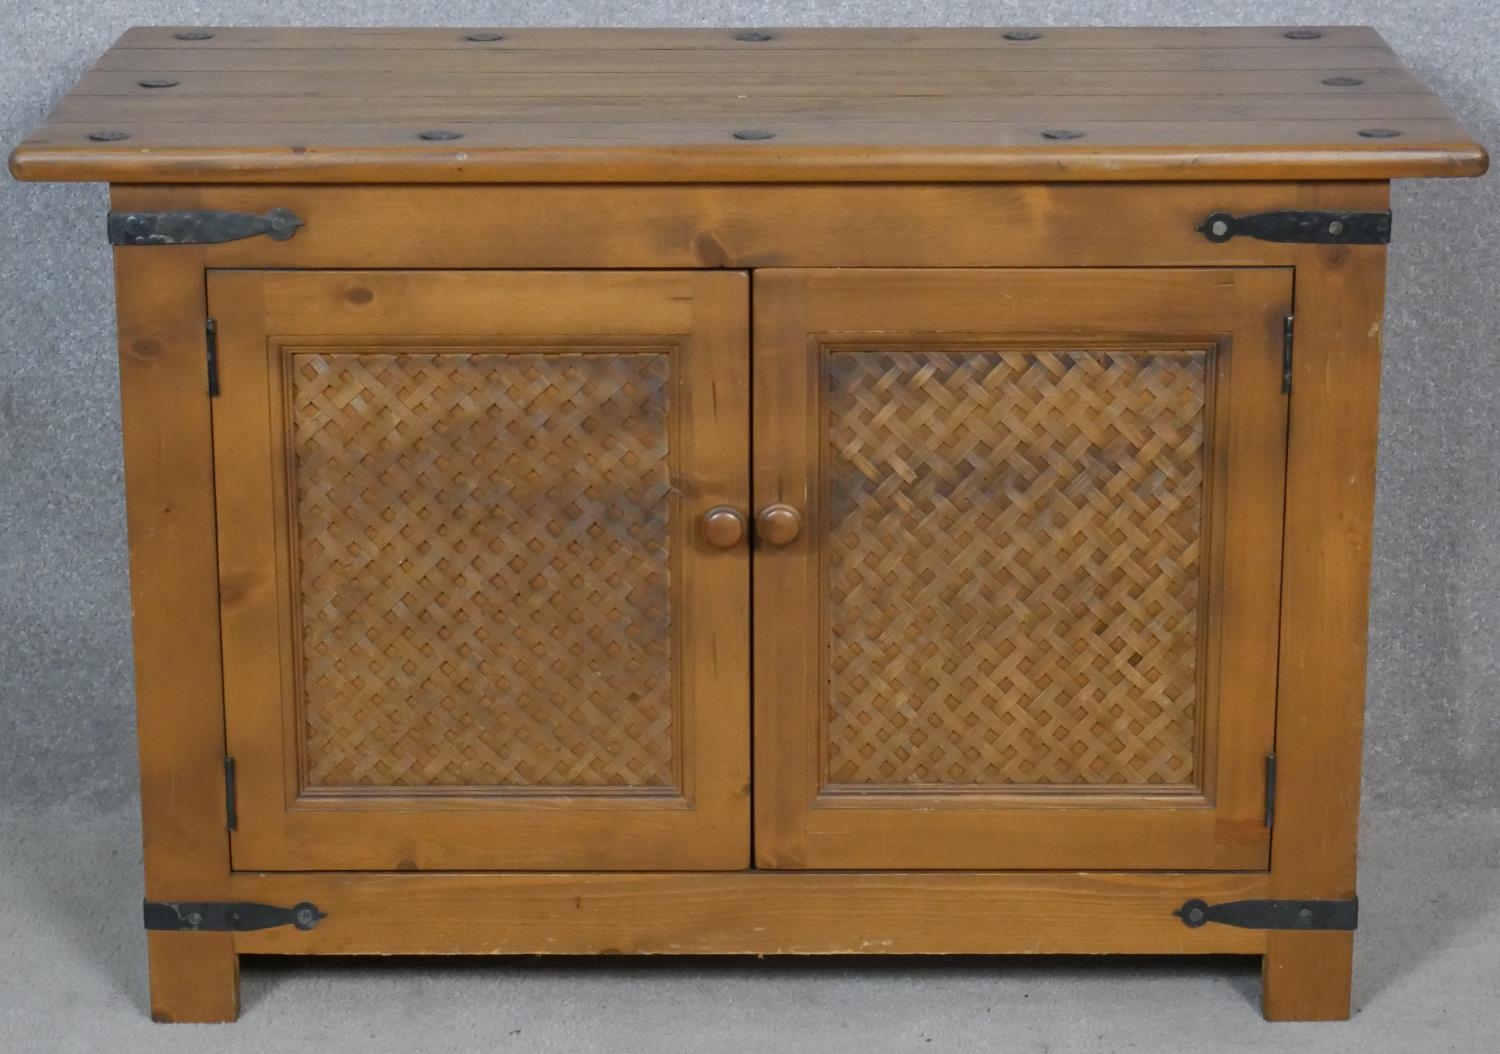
<point>1273,914</point>
<point>218,917</point>
<point>1312,228</point>
<point>198,228</point>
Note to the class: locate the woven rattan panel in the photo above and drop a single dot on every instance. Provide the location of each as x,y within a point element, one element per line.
<point>483,580</point>
<point>1013,562</point>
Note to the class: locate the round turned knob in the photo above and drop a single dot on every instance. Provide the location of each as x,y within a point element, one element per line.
<point>778,524</point>
<point>723,527</point>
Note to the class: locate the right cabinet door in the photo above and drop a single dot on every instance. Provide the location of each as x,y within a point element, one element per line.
<point>1017,569</point>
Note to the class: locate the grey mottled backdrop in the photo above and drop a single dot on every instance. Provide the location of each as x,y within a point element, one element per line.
<point>65,672</point>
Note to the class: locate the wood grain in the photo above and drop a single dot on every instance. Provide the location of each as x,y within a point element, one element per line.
<point>763,80</point>
<point>1330,506</point>
<point>311,707</point>
<point>1004,225</point>
<point>564,59</point>
<point>803,818</point>
<point>175,618</point>
<point>750,913</point>
<point>622,106</point>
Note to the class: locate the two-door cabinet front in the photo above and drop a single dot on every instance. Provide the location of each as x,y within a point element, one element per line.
<point>486,574</point>
<point>748,491</point>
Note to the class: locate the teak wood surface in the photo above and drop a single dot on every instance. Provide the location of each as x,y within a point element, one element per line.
<point>908,248</point>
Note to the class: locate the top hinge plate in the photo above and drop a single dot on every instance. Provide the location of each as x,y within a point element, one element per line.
<point>220,917</point>
<point>199,228</point>
<point>1311,228</point>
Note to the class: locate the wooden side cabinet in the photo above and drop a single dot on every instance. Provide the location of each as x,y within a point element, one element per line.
<point>713,491</point>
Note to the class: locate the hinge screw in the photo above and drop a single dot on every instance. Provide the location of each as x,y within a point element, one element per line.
<point>305,916</point>
<point>1336,227</point>
<point>1219,228</point>
<point>1193,914</point>
<point>195,918</point>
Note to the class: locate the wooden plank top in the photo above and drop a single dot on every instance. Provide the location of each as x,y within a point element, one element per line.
<point>236,105</point>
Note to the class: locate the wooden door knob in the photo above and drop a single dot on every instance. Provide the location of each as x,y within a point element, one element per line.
<point>778,524</point>
<point>723,527</point>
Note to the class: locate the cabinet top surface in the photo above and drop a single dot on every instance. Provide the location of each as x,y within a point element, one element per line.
<point>454,105</point>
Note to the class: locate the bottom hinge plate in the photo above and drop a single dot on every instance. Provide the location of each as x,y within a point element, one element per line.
<point>1273,914</point>
<point>221,917</point>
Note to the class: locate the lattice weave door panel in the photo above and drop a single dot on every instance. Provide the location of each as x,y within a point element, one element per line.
<point>1013,566</point>
<point>483,590</point>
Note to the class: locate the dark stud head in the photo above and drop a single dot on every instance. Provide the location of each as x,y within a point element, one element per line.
<point>1379,133</point>
<point>1061,133</point>
<point>484,38</point>
<point>158,82</point>
<point>1022,34</point>
<point>1216,227</point>
<point>754,133</point>
<point>1343,82</point>
<point>1303,34</point>
<point>439,134</point>
<point>194,34</point>
<point>108,137</point>
<point>755,36</point>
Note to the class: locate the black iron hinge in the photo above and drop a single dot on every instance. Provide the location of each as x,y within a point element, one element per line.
<point>211,349</point>
<point>1313,228</point>
<point>220,917</point>
<point>1270,790</point>
<point>1287,329</point>
<point>199,228</point>
<point>1273,914</point>
<point>231,802</point>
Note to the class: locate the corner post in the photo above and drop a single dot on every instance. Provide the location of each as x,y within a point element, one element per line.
<point>168,450</point>
<point>1340,292</point>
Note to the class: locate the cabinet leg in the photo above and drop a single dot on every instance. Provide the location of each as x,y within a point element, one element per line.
<point>195,977</point>
<point>1307,976</point>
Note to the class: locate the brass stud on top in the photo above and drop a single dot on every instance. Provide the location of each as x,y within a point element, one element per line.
<point>158,82</point>
<point>108,137</point>
<point>1343,82</point>
<point>194,34</point>
<point>1022,34</point>
<point>439,134</point>
<point>1061,133</point>
<point>1303,34</point>
<point>754,133</point>
<point>755,36</point>
<point>1379,133</point>
<point>484,38</point>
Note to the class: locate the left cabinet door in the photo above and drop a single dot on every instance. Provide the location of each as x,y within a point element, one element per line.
<point>472,618</point>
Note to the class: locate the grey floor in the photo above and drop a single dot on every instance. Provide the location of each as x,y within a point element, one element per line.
<point>72,978</point>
